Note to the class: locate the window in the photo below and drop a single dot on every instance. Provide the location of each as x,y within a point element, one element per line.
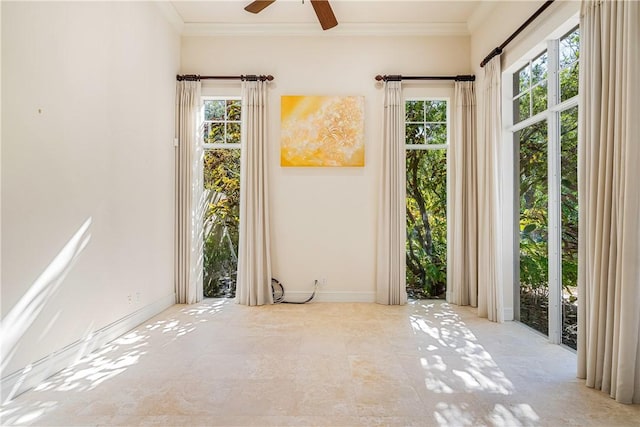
<point>221,141</point>
<point>530,87</point>
<point>545,121</point>
<point>427,137</point>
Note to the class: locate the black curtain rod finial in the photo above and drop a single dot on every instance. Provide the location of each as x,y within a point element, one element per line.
<point>495,52</point>
<point>255,78</point>
<point>389,78</point>
<point>466,78</point>
<point>188,77</point>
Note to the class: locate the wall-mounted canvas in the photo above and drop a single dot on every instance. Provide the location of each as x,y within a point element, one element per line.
<point>322,131</point>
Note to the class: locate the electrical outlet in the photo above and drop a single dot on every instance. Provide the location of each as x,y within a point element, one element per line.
<point>323,281</point>
<point>129,299</point>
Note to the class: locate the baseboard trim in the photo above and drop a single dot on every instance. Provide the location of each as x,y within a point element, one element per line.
<point>332,296</point>
<point>30,376</point>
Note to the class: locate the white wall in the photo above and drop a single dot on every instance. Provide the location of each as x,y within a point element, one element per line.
<point>324,219</point>
<point>87,170</point>
<point>493,23</point>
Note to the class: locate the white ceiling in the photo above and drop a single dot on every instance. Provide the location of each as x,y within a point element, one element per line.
<point>354,16</point>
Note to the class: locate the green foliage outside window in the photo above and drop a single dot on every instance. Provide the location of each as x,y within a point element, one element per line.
<point>222,125</point>
<point>534,201</point>
<point>222,121</point>
<point>221,221</point>
<point>569,209</point>
<point>569,57</point>
<point>426,169</point>
<point>534,257</point>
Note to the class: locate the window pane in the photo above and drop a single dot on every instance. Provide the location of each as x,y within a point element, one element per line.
<point>534,275</point>
<point>221,221</point>
<point>414,111</point>
<point>233,109</point>
<point>569,82</point>
<point>436,111</point>
<point>436,133</point>
<point>539,69</point>
<point>522,79</point>
<point>216,133</point>
<point>539,94</point>
<point>569,207</point>
<point>426,223</point>
<point>214,110</point>
<point>521,108</point>
<point>415,134</point>
<point>570,48</point>
<point>233,133</point>
<point>208,110</point>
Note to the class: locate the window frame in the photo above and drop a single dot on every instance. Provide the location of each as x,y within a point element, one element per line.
<point>446,146</point>
<point>447,123</point>
<point>517,93</point>
<point>510,191</point>
<point>205,146</point>
<point>208,146</point>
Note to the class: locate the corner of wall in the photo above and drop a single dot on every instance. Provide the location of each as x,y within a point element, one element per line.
<point>170,14</point>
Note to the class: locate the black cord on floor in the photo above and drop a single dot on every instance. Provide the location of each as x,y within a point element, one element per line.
<point>278,293</point>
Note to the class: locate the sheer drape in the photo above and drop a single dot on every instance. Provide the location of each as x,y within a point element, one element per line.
<point>254,259</point>
<point>463,247</point>
<point>489,288</point>
<point>391,250</point>
<point>609,189</point>
<point>188,185</point>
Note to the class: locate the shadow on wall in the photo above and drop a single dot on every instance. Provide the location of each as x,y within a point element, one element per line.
<point>22,315</point>
<point>108,362</point>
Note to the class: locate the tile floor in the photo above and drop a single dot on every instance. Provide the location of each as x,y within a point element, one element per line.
<point>321,364</point>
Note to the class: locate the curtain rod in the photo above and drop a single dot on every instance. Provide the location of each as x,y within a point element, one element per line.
<point>249,77</point>
<point>498,51</point>
<point>397,78</point>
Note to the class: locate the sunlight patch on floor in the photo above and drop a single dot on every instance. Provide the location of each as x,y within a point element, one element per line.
<point>446,332</point>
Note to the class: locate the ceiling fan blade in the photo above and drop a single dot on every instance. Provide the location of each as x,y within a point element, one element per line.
<point>324,13</point>
<point>257,6</point>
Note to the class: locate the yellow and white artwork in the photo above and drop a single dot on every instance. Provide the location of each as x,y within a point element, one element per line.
<point>322,131</point>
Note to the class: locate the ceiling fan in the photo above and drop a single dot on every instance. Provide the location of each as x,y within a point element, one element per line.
<point>322,8</point>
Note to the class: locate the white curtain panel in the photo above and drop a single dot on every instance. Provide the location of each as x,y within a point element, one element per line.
<point>189,205</point>
<point>391,237</point>
<point>462,268</point>
<point>489,287</point>
<point>609,191</point>
<point>254,259</point>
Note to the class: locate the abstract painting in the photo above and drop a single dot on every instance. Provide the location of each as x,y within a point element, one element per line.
<point>322,131</point>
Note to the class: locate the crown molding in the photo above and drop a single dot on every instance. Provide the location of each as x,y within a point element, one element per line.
<point>171,15</point>
<point>313,29</point>
<point>480,14</point>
